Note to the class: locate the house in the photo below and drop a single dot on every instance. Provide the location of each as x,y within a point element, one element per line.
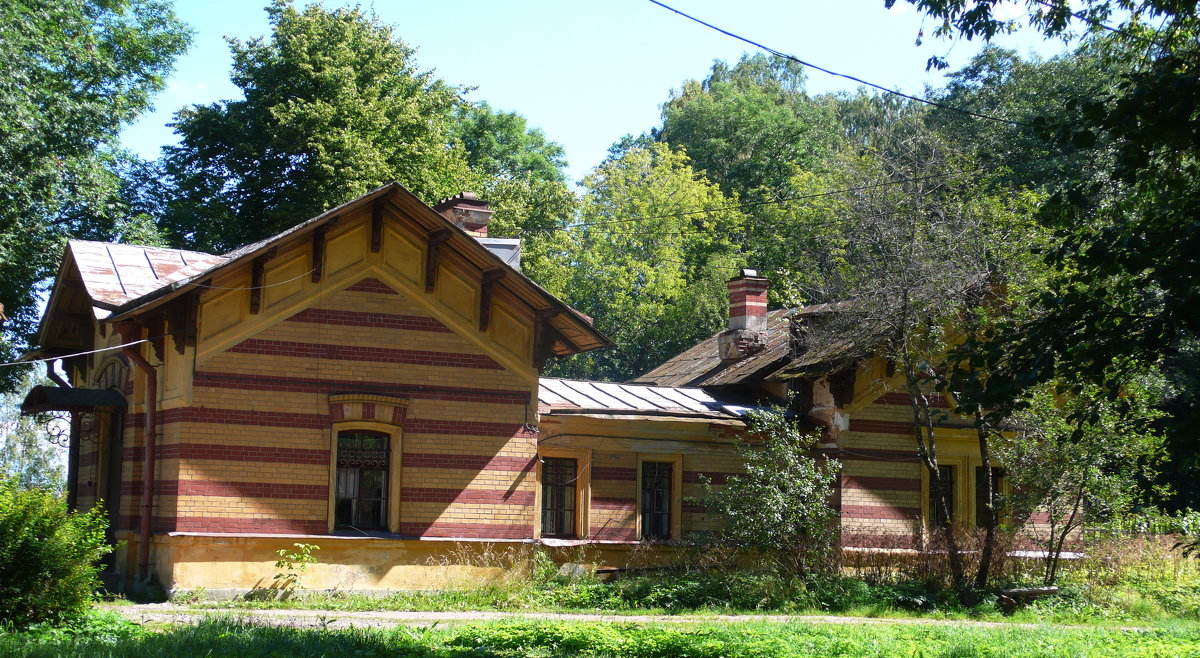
<point>368,381</point>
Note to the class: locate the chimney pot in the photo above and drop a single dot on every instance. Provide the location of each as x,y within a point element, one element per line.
<point>467,211</point>
<point>747,300</point>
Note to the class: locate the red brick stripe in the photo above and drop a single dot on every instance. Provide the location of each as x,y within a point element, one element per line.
<point>891,484</point>
<point>367,319</point>
<point>880,426</point>
<point>903,400</point>
<point>237,453</point>
<point>613,503</point>
<point>468,496</point>
<point>371,284</point>
<point>247,418</point>
<point>334,387</point>
<point>372,354</point>
<point>471,530</point>
<point>873,455</point>
<point>468,462</point>
<point>615,473</point>
<point>880,512</point>
<point>233,489</point>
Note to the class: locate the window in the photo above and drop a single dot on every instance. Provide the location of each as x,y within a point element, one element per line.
<point>362,486</point>
<point>656,500</point>
<point>937,513</point>
<point>558,496</point>
<point>983,515</point>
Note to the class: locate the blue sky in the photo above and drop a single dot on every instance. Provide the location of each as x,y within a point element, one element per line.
<point>589,72</point>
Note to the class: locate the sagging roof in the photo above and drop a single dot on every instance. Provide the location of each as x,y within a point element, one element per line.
<point>573,396</point>
<point>702,365</point>
<point>56,398</point>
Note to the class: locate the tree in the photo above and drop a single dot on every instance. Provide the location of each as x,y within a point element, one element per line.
<point>1074,457</point>
<point>1128,262</point>
<point>747,127</point>
<point>779,506</point>
<point>502,144</point>
<point>334,106</point>
<point>76,71</point>
<point>27,457</point>
<point>651,253</point>
<point>919,252</point>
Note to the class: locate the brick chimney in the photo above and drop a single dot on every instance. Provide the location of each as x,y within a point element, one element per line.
<point>747,315</point>
<point>467,211</point>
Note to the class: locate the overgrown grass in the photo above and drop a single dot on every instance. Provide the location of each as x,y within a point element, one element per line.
<point>234,637</point>
<point>1123,581</point>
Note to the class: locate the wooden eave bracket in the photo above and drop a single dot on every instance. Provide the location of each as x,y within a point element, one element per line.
<point>318,248</point>
<point>432,252</point>
<point>490,277</point>
<point>376,226</point>
<point>181,321</point>
<point>257,272</point>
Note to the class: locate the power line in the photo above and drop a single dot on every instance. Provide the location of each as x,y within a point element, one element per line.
<point>822,69</point>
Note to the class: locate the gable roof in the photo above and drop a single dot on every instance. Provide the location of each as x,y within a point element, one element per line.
<point>701,365</point>
<point>115,274</point>
<point>116,280</point>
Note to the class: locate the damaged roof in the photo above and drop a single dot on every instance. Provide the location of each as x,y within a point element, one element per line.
<point>573,396</point>
<point>702,364</point>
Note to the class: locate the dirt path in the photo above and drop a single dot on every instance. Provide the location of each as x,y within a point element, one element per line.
<point>166,613</point>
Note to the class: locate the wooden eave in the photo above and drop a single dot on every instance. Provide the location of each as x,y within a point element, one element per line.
<point>567,321</point>
<point>66,269</point>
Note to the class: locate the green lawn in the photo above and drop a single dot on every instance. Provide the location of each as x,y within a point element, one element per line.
<point>234,637</point>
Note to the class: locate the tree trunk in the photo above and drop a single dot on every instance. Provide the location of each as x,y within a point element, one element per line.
<point>989,538</point>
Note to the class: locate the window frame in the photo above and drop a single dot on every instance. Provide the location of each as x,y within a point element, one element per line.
<point>583,494</point>
<point>676,503</point>
<point>962,511</point>
<point>393,434</point>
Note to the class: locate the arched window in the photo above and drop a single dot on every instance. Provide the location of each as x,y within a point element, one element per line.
<point>363,459</point>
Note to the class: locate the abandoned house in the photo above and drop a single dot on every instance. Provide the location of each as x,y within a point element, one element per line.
<point>368,381</point>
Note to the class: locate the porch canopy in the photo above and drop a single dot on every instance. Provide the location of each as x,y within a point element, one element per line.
<point>57,398</point>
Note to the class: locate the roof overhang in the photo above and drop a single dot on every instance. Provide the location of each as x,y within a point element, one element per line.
<point>57,398</point>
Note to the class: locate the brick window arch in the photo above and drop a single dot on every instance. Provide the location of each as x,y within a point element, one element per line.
<point>364,462</point>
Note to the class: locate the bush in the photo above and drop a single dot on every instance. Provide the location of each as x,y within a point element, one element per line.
<point>48,556</point>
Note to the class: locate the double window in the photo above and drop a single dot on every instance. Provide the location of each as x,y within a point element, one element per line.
<point>362,480</point>
<point>656,499</point>
<point>559,496</point>
<point>958,496</point>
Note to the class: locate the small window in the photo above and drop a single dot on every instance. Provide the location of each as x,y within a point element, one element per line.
<point>983,515</point>
<point>656,500</point>
<point>558,497</point>
<point>362,461</point>
<point>937,514</point>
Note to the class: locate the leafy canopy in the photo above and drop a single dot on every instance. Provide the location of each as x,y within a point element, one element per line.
<point>75,72</point>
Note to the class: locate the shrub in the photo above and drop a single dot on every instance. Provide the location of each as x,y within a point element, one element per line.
<point>48,556</point>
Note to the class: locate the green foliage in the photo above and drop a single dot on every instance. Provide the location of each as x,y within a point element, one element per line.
<point>334,106</point>
<point>26,454</point>
<point>502,144</point>
<point>649,261</point>
<point>293,563</point>
<point>749,126</point>
<point>520,639</point>
<point>75,72</point>
<point>779,506</point>
<point>48,556</point>
<point>1078,455</point>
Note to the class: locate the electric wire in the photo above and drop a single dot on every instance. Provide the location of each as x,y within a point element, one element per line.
<point>886,90</point>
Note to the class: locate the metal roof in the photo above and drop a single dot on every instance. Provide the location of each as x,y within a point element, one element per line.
<point>574,396</point>
<point>56,398</point>
<point>114,274</point>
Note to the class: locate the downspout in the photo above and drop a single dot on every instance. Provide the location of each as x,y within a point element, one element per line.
<point>143,556</point>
